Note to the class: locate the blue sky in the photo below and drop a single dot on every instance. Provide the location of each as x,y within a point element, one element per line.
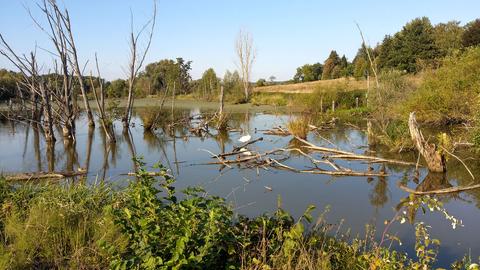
<point>286,34</point>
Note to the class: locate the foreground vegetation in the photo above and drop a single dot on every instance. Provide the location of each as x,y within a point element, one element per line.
<point>147,225</point>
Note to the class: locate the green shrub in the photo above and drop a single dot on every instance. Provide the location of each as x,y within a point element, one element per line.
<point>321,99</point>
<point>164,233</point>
<point>449,94</point>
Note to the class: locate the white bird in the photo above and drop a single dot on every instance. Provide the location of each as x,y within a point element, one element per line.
<point>245,152</point>
<point>245,138</point>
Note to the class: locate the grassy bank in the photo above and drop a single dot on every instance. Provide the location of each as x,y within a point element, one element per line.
<point>146,226</point>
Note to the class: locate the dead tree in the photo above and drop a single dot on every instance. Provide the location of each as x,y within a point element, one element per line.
<point>74,62</point>
<point>39,96</point>
<point>137,59</point>
<point>435,160</point>
<point>246,56</point>
<point>105,120</point>
<point>220,111</point>
<point>58,32</point>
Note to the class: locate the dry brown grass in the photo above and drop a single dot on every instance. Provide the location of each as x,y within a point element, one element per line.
<point>309,87</point>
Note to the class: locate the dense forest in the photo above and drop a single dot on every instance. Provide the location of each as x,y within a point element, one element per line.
<point>418,46</point>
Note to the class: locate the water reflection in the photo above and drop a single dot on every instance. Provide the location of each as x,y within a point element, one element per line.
<point>378,195</point>
<point>357,199</point>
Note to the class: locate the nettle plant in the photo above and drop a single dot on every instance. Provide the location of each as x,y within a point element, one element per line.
<point>165,233</point>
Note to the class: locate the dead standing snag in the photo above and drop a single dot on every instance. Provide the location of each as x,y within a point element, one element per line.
<point>435,160</point>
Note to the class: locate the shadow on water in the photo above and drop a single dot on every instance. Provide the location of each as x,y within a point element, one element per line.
<point>358,200</point>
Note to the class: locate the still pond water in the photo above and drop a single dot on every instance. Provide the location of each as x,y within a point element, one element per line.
<point>353,201</point>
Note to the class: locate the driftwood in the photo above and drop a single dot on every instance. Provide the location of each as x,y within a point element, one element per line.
<point>278,131</point>
<point>334,173</point>
<point>340,154</point>
<point>435,160</point>
<point>264,159</point>
<point>42,175</point>
<point>237,148</point>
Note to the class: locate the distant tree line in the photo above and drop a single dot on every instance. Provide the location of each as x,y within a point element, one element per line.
<point>417,46</point>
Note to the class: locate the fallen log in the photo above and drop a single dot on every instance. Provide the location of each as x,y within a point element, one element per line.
<point>334,173</point>
<point>374,159</point>
<point>340,154</point>
<point>42,175</point>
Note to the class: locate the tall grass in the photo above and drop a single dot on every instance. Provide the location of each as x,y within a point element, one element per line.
<point>299,127</point>
<point>55,226</point>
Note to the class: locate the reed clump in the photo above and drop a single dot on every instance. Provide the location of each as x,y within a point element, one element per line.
<point>299,127</point>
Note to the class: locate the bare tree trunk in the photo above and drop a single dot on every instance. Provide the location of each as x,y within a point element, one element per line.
<point>76,66</point>
<point>47,116</point>
<point>36,146</point>
<point>104,119</point>
<point>136,62</point>
<point>51,157</point>
<point>221,100</point>
<point>435,160</point>
<point>91,131</point>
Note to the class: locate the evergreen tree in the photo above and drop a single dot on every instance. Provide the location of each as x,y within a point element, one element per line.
<point>361,65</point>
<point>332,61</point>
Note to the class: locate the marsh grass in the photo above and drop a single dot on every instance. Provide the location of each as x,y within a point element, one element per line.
<point>299,126</point>
<point>274,99</point>
<point>220,121</point>
<point>56,226</point>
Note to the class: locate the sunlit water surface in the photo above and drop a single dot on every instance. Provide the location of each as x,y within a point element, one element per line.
<point>353,201</point>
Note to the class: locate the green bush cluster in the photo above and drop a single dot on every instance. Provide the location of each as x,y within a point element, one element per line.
<point>449,94</point>
<point>321,99</point>
<point>146,226</point>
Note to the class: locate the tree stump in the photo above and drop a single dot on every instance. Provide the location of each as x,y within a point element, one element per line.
<point>435,160</point>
